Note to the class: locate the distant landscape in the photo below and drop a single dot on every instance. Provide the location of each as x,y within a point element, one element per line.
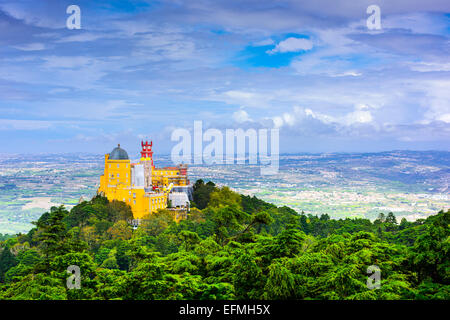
<point>410,184</point>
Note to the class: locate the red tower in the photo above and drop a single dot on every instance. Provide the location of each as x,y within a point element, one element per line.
<point>147,151</point>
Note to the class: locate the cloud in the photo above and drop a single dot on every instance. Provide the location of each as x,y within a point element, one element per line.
<point>31,47</point>
<point>444,117</point>
<point>299,116</point>
<point>429,66</point>
<point>70,62</point>
<point>262,43</point>
<point>292,45</point>
<point>83,37</point>
<point>244,98</point>
<point>241,116</point>
<point>358,116</point>
<point>48,14</point>
<point>10,124</point>
<point>437,102</point>
<point>175,63</point>
<point>424,46</point>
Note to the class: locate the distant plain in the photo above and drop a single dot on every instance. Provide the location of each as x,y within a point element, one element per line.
<point>410,184</point>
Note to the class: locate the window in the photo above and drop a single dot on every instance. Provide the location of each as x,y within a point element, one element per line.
<point>118,165</point>
<point>134,195</point>
<point>117,175</point>
<point>134,201</point>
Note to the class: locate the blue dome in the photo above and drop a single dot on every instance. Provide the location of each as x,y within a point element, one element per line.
<point>118,154</point>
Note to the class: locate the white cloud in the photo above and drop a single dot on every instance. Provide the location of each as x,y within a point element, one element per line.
<point>292,45</point>
<point>30,15</point>
<point>289,119</point>
<point>10,124</point>
<point>31,47</point>
<point>437,101</point>
<point>444,117</point>
<point>266,42</point>
<point>278,122</point>
<point>235,94</point>
<point>430,66</point>
<point>357,116</point>
<point>83,37</point>
<point>245,98</point>
<point>241,116</point>
<point>67,61</point>
<point>360,115</point>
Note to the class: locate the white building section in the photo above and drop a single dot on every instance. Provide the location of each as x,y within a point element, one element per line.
<point>137,176</point>
<point>179,199</point>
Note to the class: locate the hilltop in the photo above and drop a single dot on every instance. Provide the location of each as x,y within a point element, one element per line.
<point>231,246</point>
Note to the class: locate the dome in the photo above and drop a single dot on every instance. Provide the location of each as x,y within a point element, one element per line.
<point>118,154</point>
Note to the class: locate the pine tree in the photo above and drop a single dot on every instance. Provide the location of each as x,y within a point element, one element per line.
<point>7,261</point>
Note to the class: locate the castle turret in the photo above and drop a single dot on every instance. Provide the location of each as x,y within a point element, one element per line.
<point>146,152</point>
<point>147,162</point>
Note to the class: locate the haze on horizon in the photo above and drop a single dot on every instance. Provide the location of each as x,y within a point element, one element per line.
<point>139,69</point>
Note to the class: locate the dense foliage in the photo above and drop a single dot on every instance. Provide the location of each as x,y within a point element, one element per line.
<point>230,247</point>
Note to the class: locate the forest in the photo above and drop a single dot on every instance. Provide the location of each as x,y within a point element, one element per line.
<point>230,247</point>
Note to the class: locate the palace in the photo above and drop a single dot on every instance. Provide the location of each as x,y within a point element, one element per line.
<point>144,187</point>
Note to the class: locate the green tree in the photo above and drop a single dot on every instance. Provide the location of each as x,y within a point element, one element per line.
<point>35,287</point>
<point>390,218</point>
<point>430,252</point>
<point>7,261</point>
<point>247,278</point>
<point>52,231</point>
<point>280,283</point>
<point>202,193</point>
<point>228,221</point>
<point>225,197</point>
<point>120,230</point>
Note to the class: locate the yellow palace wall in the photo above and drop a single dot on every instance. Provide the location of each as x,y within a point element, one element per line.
<point>164,177</point>
<point>115,183</point>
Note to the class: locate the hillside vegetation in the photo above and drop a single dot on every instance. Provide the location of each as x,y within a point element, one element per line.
<point>230,247</point>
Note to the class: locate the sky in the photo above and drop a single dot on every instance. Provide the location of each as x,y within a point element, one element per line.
<point>140,69</point>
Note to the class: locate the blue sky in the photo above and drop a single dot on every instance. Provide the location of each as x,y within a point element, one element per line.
<point>140,69</point>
